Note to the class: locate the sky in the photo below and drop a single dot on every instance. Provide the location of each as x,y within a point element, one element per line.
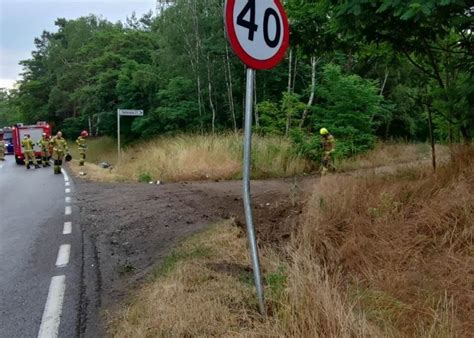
<point>23,20</point>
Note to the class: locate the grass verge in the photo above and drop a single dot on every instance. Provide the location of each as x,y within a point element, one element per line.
<point>205,289</point>
<point>405,243</point>
<point>195,157</point>
<point>388,256</point>
<point>388,154</point>
<point>219,157</point>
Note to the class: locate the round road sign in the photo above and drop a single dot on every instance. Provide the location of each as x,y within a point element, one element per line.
<point>258,31</point>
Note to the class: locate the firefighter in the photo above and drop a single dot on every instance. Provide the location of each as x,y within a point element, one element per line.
<point>60,150</point>
<point>2,147</point>
<point>328,145</point>
<point>81,144</point>
<point>44,145</point>
<point>28,149</point>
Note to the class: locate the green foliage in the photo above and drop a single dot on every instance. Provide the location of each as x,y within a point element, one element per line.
<point>276,282</point>
<point>275,118</point>
<point>307,145</point>
<point>176,111</point>
<point>144,177</point>
<point>72,126</point>
<point>9,115</point>
<point>347,106</point>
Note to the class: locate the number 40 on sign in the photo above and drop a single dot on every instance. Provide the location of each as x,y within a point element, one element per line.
<point>258,31</point>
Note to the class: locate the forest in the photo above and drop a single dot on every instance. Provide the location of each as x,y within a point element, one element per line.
<point>366,70</point>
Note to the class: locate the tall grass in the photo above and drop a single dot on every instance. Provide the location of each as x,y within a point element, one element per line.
<point>103,149</point>
<point>384,256</point>
<point>199,157</point>
<point>404,243</point>
<point>386,154</point>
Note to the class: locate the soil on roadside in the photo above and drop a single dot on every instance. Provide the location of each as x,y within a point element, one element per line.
<point>134,226</point>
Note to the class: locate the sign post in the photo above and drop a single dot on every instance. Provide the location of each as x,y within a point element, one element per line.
<point>124,112</point>
<point>258,32</point>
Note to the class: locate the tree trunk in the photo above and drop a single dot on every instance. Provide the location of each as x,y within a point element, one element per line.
<point>350,60</point>
<point>294,73</point>
<point>290,69</point>
<point>230,90</point>
<point>384,82</point>
<point>255,109</point>
<point>466,135</point>
<point>197,58</point>
<point>97,126</point>
<point>211,103</point>
<point>313,87</point>
<point>433,149</point>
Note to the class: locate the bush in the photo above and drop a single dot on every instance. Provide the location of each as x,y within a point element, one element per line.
<point>347,106</point>
<point>144,177</point>
<point>72,126</point>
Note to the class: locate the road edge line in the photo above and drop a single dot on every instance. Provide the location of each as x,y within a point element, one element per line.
<point>53,309</point>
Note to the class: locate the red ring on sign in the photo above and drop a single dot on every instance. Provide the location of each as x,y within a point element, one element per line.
<point>239,50</point>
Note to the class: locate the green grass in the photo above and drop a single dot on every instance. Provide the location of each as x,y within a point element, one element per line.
<point>179,255</point>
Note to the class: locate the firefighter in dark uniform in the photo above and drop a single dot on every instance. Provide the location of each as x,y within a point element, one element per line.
<point>60,150</point>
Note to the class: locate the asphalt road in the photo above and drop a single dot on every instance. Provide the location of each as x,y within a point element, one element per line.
<point>40,284</point>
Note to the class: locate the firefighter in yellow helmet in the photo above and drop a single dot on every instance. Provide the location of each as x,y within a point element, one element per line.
<point>2,147</point>
<point>81,144</point>
<point>60,150</point>
<point>28,149</point>
<point>328,145</point>
<point>44,145</point>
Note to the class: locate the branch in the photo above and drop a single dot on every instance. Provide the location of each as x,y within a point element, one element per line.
<point>417,65</point>
<point>434,65</point>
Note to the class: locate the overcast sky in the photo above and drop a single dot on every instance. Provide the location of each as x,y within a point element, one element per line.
<point>23,20</point>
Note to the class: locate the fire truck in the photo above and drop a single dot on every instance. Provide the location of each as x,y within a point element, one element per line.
<point>35,131</point>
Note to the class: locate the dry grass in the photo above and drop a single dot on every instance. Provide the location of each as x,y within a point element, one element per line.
<point>387,154</point>
<point>205,289</point>
<point>384,256</point>
<point>405,243</point>
<point>93,172</point>
<point>197,157</point>
<point>199,291</point>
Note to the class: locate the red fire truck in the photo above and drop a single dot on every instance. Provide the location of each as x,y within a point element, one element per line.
<point>35,131</point>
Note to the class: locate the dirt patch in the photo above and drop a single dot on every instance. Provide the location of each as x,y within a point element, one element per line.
<point>134,226</point>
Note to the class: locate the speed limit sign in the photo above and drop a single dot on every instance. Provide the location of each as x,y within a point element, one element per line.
<point>259,34</point>
<point>258,31</point>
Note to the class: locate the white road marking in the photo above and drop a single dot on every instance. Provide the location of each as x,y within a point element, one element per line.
<point>67,184</point>
<point>67,210</point>
<point>1,166</point>
<point>68,200</point>
<point>68,191</point>
<point>53,309</point>
<point>66,177</point>
<point>67,228</point>
<point>63,255</point>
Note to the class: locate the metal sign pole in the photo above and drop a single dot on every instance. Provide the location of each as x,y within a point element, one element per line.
<point>246,186</point>
<point>118,136</point>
